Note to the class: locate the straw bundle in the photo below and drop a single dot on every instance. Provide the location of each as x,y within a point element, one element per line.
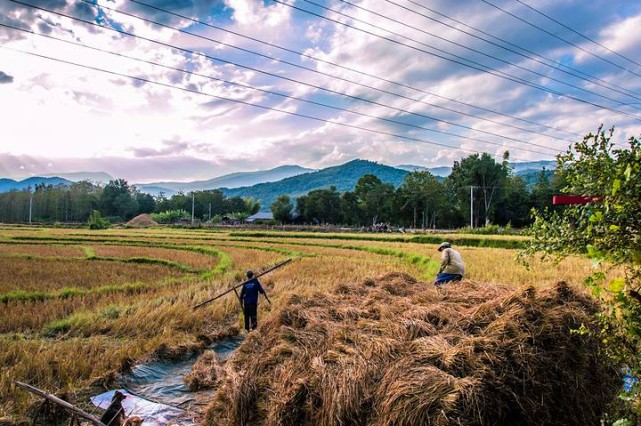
<point>393,351</point>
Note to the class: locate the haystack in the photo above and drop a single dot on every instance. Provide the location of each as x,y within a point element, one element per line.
<point>393,351</point>
<point>142,221</point>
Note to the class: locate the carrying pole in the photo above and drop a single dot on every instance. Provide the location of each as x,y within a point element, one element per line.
<point>243,283</point>
<point>64,404</point>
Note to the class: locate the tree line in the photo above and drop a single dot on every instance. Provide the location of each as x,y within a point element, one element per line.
<point>117,201</point>
<point>478,192</point>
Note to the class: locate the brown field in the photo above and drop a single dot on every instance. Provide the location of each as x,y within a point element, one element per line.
<point>126,312</point>
<point>41,250</point>
<point>34,274</point>
<point>188,258</point>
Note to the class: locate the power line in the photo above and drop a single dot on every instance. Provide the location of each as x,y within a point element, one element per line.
<point>272,58</point>
<point>283,77</point>
<point>560,38</point>
<point>477,66</point>
<point>578,33</point>
<point>270,92</point>
<point>471,49</point>
<point>303,54</point>
<point>554,65</point>
<point>185,89</point>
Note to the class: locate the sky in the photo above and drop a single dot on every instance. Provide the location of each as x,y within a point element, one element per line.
<point>160,90</point>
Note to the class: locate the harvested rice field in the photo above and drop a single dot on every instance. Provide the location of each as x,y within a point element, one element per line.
<point>355,334</point>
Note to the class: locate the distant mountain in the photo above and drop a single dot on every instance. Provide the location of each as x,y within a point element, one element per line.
<point>156,190</point>
<point>80,176</point>
<point>233,180</point>
<point>7,185</point>
<point>343,177</point>
<point>520,168</point>
<point>442,171</point>
<point>533,166</point>
<point>531,177</point>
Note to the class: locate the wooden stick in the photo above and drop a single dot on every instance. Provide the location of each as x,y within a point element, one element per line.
<point>243,283</point>
<point>64,404</point>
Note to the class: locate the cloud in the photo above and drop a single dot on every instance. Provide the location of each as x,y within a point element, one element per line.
<point>87,118</point>
<point>174,147</point>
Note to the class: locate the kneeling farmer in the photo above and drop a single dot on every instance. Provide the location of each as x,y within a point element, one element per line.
<point>249,300</point>
<point>452,267</point>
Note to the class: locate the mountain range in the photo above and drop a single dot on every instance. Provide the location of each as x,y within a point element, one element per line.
<point>343,177</point>
<point>7,185</point>
<point>265,186</point>
<point>233,180</point>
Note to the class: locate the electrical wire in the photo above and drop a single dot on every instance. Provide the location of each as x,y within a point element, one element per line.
<point>186,89</point>
<point>271,92</point>
<point>476,66</point>
<point>576,32</point>
<point>471,49</point>
<point>560,38</point>
<point>280,76</point>
<point>554,65</point>
<point>303,54</point>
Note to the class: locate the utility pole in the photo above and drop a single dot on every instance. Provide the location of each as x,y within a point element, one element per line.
<point>30,204</point>
<point>210,212</point>
<point>193,204</point>
<point>472,207</point>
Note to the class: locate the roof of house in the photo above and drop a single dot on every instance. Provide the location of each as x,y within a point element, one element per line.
<point>260,216</point>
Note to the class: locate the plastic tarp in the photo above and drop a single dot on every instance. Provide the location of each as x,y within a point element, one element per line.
<point>155,414</point>
<point>156,390</point>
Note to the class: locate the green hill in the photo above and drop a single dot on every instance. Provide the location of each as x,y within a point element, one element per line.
<point>343,177</point>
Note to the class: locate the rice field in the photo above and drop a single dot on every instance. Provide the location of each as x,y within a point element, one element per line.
<point>122,296</point>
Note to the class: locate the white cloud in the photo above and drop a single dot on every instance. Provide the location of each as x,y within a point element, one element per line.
<point>82,114</point>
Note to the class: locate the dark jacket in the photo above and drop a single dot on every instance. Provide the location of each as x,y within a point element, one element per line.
<point>249,293</point>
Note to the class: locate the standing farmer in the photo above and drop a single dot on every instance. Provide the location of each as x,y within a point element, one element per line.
<point>249,300</point>
<point>452,267</point>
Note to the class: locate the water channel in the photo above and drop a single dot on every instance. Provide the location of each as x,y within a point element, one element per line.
<point>158,393</point>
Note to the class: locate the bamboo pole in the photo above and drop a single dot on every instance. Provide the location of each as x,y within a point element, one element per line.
<point>243,283</point>
<point>64,404</point>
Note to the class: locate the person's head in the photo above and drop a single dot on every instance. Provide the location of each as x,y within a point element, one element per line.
<point>250,274</point>
<point>118,396</point>
<point>444,245</point>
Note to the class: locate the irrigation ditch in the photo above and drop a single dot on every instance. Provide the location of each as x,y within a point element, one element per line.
<point>158,390</point>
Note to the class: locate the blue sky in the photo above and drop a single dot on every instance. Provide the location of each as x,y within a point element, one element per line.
<point>186,90</point>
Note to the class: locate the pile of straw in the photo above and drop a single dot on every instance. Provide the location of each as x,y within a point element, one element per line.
<point>393,351</point>
<point>142,221</point>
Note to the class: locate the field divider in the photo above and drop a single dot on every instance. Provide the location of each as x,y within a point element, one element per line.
<point>506,243</point>
<point>427,265</point>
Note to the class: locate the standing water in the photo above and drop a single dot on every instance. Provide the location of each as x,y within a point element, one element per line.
<point>158,392</point>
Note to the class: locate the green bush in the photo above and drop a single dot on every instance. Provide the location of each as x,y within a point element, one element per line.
<point>97,222</point>
<point>171,216</point>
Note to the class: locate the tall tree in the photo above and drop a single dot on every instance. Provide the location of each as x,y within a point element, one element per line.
<point>420,197</point>
<point>514,205</point>
<point>482,177</point>
<point>350,210</point>
<point>375,198</point>
<point>282,209</point>
<point>117,200</point>
<point>321,206</point>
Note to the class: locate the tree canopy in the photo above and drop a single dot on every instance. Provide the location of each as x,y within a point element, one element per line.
<point>608,230</point>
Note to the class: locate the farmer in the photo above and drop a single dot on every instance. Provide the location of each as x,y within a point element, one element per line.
<point>249,300</point>
<point>452,267</point>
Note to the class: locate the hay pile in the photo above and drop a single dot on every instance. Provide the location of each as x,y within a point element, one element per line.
<point>142,221</point>
<point>392,351</point>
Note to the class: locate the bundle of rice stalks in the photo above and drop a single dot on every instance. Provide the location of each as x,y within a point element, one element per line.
<point>206,372</point>
<point>393,351</point>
